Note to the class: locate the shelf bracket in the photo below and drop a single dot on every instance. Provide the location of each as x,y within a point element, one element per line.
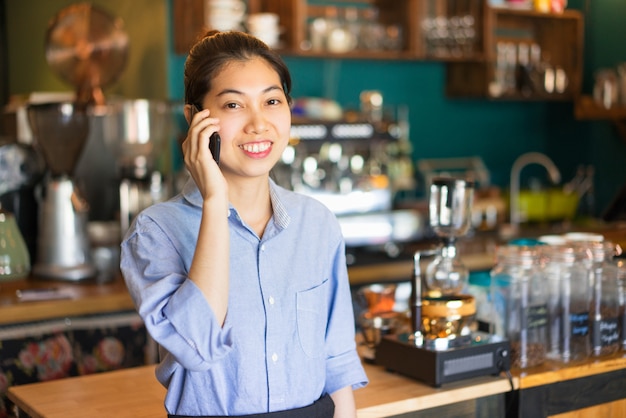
<point>620,127</point>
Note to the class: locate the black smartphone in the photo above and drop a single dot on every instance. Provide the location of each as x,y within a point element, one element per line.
<point>214,140</point>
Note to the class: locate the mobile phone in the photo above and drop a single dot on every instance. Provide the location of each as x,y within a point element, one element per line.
<point>215,139</point>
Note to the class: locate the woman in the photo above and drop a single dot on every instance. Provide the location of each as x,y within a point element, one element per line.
<point>243,284</point>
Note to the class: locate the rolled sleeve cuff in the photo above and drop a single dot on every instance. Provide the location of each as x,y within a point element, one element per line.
<point>193,319</point>
<point>345,370</point>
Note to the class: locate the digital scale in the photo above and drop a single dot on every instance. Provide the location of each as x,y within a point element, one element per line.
<point>483,354</point>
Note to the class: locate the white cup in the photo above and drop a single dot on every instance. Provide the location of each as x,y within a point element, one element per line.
<point>262,21</point>
<point>227,10</point>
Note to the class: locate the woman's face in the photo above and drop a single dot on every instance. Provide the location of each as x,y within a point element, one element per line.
<point>255,118</point>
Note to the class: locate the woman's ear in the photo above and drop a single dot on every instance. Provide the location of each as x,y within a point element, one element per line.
<point>187,110</point>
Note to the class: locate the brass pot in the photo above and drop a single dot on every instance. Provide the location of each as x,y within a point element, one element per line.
<point>448,316</point>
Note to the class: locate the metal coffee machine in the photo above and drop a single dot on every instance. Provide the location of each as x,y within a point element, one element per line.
<point>444,345</point>
<point>63,251</point>
<point>137,131</point>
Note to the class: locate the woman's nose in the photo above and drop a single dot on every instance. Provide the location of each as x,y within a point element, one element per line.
<point>257,123</point>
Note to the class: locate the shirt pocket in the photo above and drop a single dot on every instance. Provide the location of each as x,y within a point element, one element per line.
<point>311,314</point>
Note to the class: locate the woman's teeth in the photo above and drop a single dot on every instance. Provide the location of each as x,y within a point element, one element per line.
<point>256,147</point>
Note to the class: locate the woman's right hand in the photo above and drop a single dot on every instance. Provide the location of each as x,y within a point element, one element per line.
<point>197,156</point>
<point>210,266</point>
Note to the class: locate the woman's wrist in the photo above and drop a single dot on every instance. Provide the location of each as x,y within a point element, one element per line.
<point>215,206</point>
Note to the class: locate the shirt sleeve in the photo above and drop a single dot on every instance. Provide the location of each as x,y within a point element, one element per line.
<point>173,308</point>
<point>343,364</point>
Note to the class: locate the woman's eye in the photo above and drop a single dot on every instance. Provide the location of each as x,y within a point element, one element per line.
<point>273,102</point>
<point>231,105</point>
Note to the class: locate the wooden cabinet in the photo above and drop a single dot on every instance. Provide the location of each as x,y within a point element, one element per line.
<point>588,389</point>
<point>481,44</point>
<point>436,29</point>
<point>528,56</point>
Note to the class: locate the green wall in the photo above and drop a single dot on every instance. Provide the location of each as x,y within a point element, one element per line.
<point>145,21</point>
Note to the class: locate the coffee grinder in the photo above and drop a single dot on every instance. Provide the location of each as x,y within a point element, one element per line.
<point>444,345</point>
<point>60,130</point>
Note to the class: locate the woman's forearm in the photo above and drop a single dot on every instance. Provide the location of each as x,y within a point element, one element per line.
<point>344,403</point>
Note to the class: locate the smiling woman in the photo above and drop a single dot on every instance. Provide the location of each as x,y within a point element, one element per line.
<point>219,274</point>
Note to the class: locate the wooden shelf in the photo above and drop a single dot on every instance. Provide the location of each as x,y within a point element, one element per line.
<point>559,37</point>
<point>369,55</point>
<point>469,74</point>
<point>587,109</point>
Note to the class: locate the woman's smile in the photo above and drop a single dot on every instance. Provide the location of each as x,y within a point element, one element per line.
<point>257,149</point>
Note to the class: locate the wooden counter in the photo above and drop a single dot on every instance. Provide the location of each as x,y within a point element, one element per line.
<point>389,394</point>
<point>133,392</point>
<point>477,252</point>
<point>403,270</point>
<point>590,389</point>
<point>552,373</point>
<point>91,298</point>
<point>87,297</point>
<point>136,393</point>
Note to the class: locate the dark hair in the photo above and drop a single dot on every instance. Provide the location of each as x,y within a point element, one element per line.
<point>215,49</point>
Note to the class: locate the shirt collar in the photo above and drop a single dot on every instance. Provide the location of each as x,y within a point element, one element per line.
<point>277,195</point>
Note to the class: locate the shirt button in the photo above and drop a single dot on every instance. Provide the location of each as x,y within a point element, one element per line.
<point>274,357</point>
<point>262,247</point>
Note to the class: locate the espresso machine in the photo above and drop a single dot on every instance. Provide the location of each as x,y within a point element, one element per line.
<point>444,345</point>
<point>137,132</point>
<point>345,164</point>
<point>60,130</point>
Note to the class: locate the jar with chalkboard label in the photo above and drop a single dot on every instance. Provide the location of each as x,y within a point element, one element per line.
<point>605,299</point>
<point>567,270</point>
<point>621,282</point>
<point>519,296</point>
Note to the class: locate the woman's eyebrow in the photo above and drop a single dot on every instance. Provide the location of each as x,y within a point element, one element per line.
<point>235,91</point>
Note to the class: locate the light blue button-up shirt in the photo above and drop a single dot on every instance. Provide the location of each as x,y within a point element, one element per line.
<point>288,337</point>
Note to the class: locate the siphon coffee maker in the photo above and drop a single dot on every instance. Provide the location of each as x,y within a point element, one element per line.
<point>63,252</point>
<point>444,345</point>
<point>448,316</point>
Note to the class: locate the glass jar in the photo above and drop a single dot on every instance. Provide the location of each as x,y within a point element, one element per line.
<point>520,296</point>
<point>621,282</point>
<point>566,268</point>
<point>14,256</point>
<point>605,299</point>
